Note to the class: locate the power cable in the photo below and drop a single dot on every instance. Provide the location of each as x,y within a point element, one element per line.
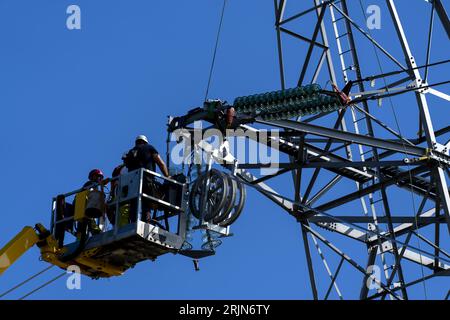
<point>43,286</point>
<point>391,94</point>
<point>392,73</point>
<point>215,49</point>
<point>25,281</point>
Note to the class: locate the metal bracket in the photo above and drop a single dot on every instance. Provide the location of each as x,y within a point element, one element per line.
<point>441,157</point>
<point>222,231</point>
<point>440,148</point>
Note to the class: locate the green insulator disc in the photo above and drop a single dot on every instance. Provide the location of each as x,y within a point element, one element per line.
<point>281,95</point>
<point>334,106</point>
<point>252,107</point>
<point>299,91</point>
<point>290,93</point>
<point>314,89</point>
<point>310,102</point>
<point>322,99</point>
<point>311,110</point>
<point>275,97</point>
<point>273,108</point>
<point>291,106</point>
<point>258,99</point>
<point>245,101</point>
<point>296,107</point>
<point>264,107</point>
<point>308,90</point>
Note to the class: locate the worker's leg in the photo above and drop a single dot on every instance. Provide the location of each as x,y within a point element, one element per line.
<point>148,189</point>
<point>111,214</point>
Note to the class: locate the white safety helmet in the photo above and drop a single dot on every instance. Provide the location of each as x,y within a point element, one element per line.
<point>142,138</point>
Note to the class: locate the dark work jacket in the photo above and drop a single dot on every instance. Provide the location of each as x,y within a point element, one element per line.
<point>141,156</point>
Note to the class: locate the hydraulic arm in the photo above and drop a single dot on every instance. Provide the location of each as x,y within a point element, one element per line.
<point>20,244</point>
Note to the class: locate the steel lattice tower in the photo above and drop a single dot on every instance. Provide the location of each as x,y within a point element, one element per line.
<point>356,145</point>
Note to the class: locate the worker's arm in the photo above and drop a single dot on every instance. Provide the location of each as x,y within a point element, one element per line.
<point>161,164</point>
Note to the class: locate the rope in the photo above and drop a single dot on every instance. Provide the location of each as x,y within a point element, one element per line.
<point>391,94</point>
<point>392,73</point>
<point>42,286</point>
<point>215,49</point>
<point>430,36</point>
<point>400,133</point>
<point>26,281</point>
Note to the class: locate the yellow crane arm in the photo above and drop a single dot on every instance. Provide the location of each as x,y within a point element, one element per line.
<point>51,253</point>
<point>14,249</point>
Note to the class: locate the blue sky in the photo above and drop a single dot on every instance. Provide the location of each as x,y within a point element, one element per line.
<point>75,100</point>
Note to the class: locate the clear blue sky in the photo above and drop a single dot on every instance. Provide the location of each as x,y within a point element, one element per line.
<point>74,100</point>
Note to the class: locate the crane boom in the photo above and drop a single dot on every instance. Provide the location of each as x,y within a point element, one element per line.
<point>14,249</point>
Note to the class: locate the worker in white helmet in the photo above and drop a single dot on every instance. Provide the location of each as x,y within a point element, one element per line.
<point>144,155</point>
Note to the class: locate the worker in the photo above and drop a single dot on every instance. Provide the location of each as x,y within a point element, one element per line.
<point>95,179</point>
<point>123,208</point>
<point>119,170</point>
<point>65,210</point>
<point>144,155</point>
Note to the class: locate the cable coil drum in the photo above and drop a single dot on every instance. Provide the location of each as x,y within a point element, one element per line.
<point>225,198</point>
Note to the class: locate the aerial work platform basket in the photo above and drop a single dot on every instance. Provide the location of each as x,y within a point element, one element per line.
<point>133,225</point>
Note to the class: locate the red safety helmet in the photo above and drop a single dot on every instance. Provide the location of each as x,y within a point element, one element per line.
<point>95,172</point>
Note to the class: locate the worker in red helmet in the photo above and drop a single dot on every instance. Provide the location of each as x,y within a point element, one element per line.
<point>95,177</point>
